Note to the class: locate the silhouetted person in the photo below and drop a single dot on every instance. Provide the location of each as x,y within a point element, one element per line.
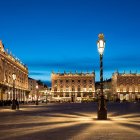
<point>17,104</point>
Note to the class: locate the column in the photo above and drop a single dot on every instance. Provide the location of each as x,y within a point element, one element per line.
<point>1,94</point>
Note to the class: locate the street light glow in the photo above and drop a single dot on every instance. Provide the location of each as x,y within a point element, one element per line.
<point>36,86</point>
<point>101,44</point>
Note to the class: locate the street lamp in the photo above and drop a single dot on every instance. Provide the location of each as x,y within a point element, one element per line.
<point>14,101</point>
<point>37,95</point>
<point>102,110</point>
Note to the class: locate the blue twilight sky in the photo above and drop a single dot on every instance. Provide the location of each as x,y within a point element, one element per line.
<point>61,35</point>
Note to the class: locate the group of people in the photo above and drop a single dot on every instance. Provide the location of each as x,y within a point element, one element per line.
<point>5,102</point>
<point>9,102</point>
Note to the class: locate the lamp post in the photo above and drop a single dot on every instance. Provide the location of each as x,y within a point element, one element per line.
<point>102,110</point>
<point>36,94</point>
<point>14,101</point>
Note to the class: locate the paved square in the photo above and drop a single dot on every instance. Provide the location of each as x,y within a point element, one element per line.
<point>70,122</point>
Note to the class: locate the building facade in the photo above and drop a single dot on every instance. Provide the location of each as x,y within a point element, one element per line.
<point>73,86</point>
<point>37,90</point>
<point>8,66</point>
<point>107,89</point>
<point>32,83</point>
<point>126,86</point>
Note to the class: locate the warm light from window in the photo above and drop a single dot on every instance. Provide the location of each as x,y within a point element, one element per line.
<point>14,76</point>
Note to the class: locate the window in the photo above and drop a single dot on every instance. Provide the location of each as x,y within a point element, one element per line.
<point>84,81</point>
<point>66,94</point>
<point>78,81</point>
<point>55,89</point>
<point>78,94</point>
<point>79,89</point>
<point>90,81</point>
<point>67,89</point>
<point>61,94</point>
<point>73,89</point>
<point>90,89</point>
<point>55,95</point>
<point>61,89</point>
<point>85,94</point>
<point>84,89</point>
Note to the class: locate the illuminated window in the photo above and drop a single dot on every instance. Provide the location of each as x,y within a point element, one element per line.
<point>84,89</point>
<point>61,89</point>
<point>67,89</point>
<point>90,89</point>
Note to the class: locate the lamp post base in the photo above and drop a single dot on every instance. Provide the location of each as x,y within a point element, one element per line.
<point>102,111</point>
<point>102,114</point>
<point>13,104</point>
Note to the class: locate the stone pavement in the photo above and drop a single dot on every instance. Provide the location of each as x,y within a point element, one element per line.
<point>70,122</point>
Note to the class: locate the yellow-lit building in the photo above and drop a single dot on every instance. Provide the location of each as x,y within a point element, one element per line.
<point>126,86</point>
<point>73,86</point>
<point>32,83</point>
<point>8,66</point>
<point>37,88</point>
<point>107,89</point>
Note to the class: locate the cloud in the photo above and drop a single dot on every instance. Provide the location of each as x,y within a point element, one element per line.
<point>36,73</point>
<point>73,64</point>
<point>42,69</point>
<point>84,64</point>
